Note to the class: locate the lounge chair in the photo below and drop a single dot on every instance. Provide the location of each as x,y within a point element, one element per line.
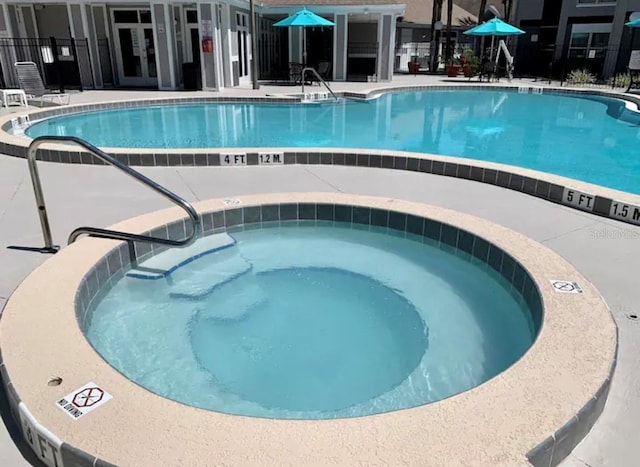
<point>31,81</point>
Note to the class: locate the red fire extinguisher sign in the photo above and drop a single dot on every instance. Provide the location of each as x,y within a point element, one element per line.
<point>207,45</point>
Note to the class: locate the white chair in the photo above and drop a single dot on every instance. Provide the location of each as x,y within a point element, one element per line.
<point>6,94</point>
<point>31,81</point>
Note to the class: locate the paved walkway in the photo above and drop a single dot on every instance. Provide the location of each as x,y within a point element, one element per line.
<point>603,250</point>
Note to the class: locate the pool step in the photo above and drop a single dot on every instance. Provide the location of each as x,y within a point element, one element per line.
<point>163,264</point>
<point>200,284</point>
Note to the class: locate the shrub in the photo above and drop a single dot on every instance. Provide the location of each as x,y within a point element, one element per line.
<point>621,80</point>
<point>472,58</point>
<point>582,76</point>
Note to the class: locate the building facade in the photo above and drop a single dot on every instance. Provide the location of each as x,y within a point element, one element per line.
<point>576,34</point>
<point>179,44</point>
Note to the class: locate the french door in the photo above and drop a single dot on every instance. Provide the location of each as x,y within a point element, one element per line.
<point>135,47</point>
<point>243,46</point>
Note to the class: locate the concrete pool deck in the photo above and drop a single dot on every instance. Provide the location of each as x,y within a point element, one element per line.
<point>603,250</point>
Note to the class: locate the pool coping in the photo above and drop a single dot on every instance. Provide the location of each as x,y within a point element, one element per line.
<point>535,412</point>
<point>591,198</point>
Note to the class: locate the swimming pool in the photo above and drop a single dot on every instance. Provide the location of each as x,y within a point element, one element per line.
<point>580,137</point>
<point>313,320</point>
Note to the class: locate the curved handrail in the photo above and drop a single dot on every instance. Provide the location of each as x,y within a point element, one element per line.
<point>313,70</point>
<point>94,231</point>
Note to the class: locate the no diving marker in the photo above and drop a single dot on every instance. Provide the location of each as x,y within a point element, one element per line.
<point>83,400</point>
<point>562,286</point>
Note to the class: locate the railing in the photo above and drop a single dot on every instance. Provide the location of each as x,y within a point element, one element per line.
<point>49,247</point>
<point>313,70</point>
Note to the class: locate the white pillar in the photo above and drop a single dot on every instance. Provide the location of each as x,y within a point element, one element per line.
<point>340,41</point>
<point>163,30</point>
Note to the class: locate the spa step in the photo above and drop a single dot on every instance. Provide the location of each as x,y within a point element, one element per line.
<point>165,263</point>
<point>232,303</point>
<point>221,271</point>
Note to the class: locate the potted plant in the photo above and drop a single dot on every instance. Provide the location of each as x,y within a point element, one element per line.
<point>471,63</point>
<point>414,67</point>
<point>414,64</point>
<point>453,67</point>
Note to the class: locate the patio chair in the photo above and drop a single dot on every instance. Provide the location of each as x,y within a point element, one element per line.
<point>295,72</point>
<point>31,81</point>
<point>324,70</point>
<point>488,70</point>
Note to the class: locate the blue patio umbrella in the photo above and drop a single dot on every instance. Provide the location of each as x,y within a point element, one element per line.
<point>303,19</point>
<point>633,24</point>
<point>494,27</point>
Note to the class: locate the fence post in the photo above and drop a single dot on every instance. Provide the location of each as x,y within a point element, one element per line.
<point>74,50</point>
<point>93,81</point>
<point>56,62</point>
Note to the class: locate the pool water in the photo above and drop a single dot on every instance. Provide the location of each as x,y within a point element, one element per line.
<point>314,320</point>
<point>580,137</point>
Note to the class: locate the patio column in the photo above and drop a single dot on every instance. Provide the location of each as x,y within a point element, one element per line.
<point>209,60</point>
<point>163,38</point>
<point>7,55</point>
<point>295,44</point>
<point>225,45</point>
<point>340,37</point>
<point>79,27</point>
<point>386,43</point>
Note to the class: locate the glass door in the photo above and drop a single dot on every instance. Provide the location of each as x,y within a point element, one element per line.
<point>243,46</point>
<point>135,48</point>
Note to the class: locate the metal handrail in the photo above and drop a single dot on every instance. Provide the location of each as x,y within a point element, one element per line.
<point>94,231</point>
<point>313,70</point>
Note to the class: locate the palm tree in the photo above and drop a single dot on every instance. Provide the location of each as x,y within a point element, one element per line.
<point>436,15</point>
<point>448,53</point>
<point>483,6</point>
<point>507,7</point>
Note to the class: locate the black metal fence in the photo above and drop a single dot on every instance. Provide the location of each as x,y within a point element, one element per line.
<point>63,62</point>
<point>549,62</point>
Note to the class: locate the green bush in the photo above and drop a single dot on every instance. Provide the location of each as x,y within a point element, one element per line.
<point>621,80</point>
<point>582,76</point>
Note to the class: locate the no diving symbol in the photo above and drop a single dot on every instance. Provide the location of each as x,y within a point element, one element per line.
<point>88,397</point>
<point>566,286</point>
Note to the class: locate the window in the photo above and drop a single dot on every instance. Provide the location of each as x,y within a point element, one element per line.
<point>125,16</point>
<point>145,16</point>
<point>192,17</point>
<point>589,41</point>
<point>131,16</point>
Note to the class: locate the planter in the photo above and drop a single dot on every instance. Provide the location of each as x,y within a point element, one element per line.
<point>453,71</point>
<point>470,71</point>
<point>414,67</point>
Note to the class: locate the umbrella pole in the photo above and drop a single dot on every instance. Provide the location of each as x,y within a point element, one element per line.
<point>491,53</point>
<point>304,47</point>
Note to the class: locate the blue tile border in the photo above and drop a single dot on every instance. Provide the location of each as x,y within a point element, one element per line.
<point>114,265</point>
